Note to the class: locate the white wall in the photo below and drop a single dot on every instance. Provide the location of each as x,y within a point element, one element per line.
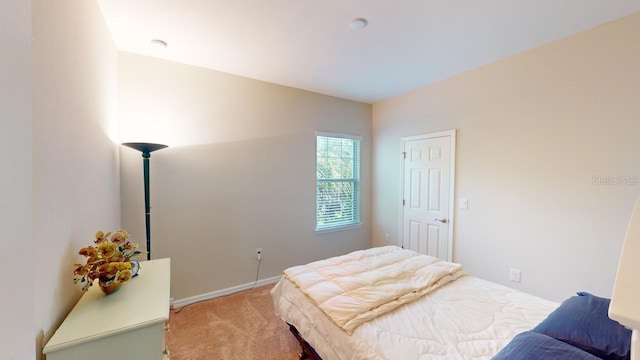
<point>533,131</point>
<point>240,172</point>
<point>16,312</point>
<point>75,161</point>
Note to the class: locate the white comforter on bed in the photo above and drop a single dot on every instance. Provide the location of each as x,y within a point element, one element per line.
<point>355,288</point>
<point>469,318</point>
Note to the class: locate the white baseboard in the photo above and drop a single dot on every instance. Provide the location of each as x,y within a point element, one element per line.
<point>228,291</point>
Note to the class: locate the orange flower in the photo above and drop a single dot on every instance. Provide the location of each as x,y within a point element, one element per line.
<point>130,245</point>
<point>107,249</point>
<point>101,237</point>
<point>119,237</point>
<point>88,251</point>
<point>81,270</point>
<point>108,270</point>
<point>117,257</point>
<point>125,265</point>
<point>95,260</point>
<point>124,275</point>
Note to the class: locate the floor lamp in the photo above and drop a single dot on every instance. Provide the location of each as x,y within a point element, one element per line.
<point>146,149</point>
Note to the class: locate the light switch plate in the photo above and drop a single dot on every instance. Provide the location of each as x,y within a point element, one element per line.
<point>464,204</point>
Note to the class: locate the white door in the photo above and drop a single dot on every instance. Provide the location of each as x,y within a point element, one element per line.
<point>427,193</point>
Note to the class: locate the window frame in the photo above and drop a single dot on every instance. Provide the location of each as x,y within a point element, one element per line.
<point>356,180</point>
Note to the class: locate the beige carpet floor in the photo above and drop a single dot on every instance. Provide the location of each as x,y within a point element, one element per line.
<point>241,326</point>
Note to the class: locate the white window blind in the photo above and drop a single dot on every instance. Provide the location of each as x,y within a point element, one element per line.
<point>337,181</point>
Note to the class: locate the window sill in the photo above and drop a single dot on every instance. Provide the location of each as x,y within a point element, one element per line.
<point>338,228</point>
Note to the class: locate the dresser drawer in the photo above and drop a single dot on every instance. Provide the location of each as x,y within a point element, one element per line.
<point>140,344</point>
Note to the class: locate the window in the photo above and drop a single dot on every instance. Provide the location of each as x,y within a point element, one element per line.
<point>337,181</point>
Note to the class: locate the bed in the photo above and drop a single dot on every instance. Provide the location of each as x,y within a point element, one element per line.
<point>332,308</point>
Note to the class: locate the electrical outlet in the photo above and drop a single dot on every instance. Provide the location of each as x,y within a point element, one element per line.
<point>514,275</point>
<point>259,253</point>
<point>386,237</point>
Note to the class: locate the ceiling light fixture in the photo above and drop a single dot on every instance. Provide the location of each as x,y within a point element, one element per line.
<point>359,23</point>
<point>157,43</point>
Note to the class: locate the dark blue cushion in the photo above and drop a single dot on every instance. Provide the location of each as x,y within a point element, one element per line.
<point>530,345</point>
<point>583,321</point>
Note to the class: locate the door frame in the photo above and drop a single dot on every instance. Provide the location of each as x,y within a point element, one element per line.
<point>452,180</point>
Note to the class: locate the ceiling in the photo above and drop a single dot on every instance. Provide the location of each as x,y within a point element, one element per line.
<point>308,44</point>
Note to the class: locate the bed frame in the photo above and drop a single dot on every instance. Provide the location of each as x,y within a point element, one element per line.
<point>308,352</point>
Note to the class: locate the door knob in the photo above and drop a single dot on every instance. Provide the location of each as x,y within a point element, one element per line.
<point>444,221</point>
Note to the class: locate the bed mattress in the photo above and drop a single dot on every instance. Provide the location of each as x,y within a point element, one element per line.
<point>469,318</point>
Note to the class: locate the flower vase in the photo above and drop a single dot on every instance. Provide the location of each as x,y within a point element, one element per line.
<point>109,285</point>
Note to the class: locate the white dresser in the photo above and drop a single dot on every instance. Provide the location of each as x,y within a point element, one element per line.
<point>126,325</point>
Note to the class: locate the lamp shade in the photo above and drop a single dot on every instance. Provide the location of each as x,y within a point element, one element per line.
<point>145,148</point>
<point>625,301</point>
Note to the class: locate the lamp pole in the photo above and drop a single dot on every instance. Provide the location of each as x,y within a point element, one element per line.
<point>146,149</point>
